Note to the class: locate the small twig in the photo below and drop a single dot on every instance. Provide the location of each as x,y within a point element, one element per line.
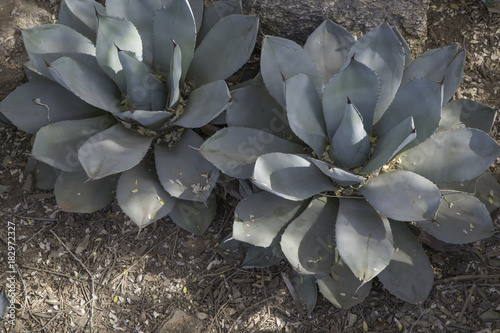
<point>248,309</point>
<point>45,326</point>
<point>292,291</point>
<point>466,304</point>
<point>91,279</point>
<point>24,290</point>
<point>175,244</point>
<point>467,277</point>
<point>422,312</point>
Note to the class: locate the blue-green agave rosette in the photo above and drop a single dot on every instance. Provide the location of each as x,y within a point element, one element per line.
<point>351,143</point>
<point>114,95</point>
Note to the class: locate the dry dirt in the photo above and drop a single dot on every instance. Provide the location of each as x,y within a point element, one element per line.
<point>163,279</point>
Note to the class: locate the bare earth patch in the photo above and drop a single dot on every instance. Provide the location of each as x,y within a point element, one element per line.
<point>97,272</point>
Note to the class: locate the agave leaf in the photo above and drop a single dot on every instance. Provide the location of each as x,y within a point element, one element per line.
<point>350,145</point>
<point>406,48</point>
<point>364,238</point>
<point>112,151</point>
<point>307,290</point>
<point>485,187</point>
<point>45,175</point>
<point>443,64</point>
<point>253,107</point>
<point>290,176</point>
<point>452,155</point>
<point>4,303</point>
<point>89,85</point>
<point>468,113</point>
<point>234,150</point>
<point>141,196</point>
<point>338,175</point>
<point>419,99</point>
<point>49,42</point>
<point>149,119</point>
<point>34,74</point>
<point>304,111</point>
<point>80,16</point>
<point>328,46</point>
<point>197,8</point>
<point>260,217</point>
<point>342,288</point>
<point>74,193</point>
<point>205,104</point>
<point>115,33</point>
<point>174,77</point>
<point>309,240</point>
<point>358,83</point>
<point>39,103</point>
<point>381,50</point>
<point>402,195</point>
<point>215,58</point>
<point>194,216</point>
<point>260,257</point>
<point>390,144</point>
<point>173,22</point>
<point>409,275</point>
<point>282,59</point>
<point>140,13</point>
<point>214,13</point>
<point>183,172</point>
<point>57,144</point>
<point>145,91</point>
<point>461,219</point>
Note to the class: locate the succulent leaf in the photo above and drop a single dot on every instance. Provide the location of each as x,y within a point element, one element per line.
<point>443,64</point>
<point>342,287</point>
<point>409,275</point>
<point>485,187</point>
<point>140,13</point>
<point>305,114</point>
<point>145,91</point>
<point>328,46</point>
<point>197,8</point>
<point>419,99</point>
<point>36,104</point>
<point>358,83</point>
<point>150,119</point>
<point>390,144</point>
<point>290,176</point>
<point>173,81</point>
<point>350,145</point>
<point>194,216</point>
<point>183,172</point>
<point>215,58</point>
<point>364,238</point>
<point>467,113</point>
<point>337,175</point>
<point>461,219</point>
<point>406,48</point>
<point>141,196</point>
<point>57,144</point>
<point>47,43</point>
<point>173,22</point>
<point>381,50</point>
<point>260,217</point>
<point>74,193</point>
<point>309,240</point>
<point>253,107</point>
<point>402,195</point>
<point>307,290</point>
<point>282,59</point>
<point>234,150</point>
<point>80,16</point>
<point>260,257</point>
<point>205,104</point>
<point>214,13</point>
<point>115,34</point>
<point>45,175</point>
<point>112,151</point>
<point>86,83</point>
<point>452,155</point>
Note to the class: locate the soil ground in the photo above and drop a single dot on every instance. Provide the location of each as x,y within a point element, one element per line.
<point>163,279</point>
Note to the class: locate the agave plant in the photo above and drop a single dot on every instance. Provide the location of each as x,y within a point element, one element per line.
<point>115,94</point>
<point>354,147</point>
<point>492,5</point>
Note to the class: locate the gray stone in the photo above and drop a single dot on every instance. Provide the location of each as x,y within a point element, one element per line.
<point>297,19</point>
<point>180,322</point>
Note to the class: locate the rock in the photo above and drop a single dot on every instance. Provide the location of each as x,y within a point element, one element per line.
<point>296,20</point>
<point>490,315</point>
<point>181,322</point>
